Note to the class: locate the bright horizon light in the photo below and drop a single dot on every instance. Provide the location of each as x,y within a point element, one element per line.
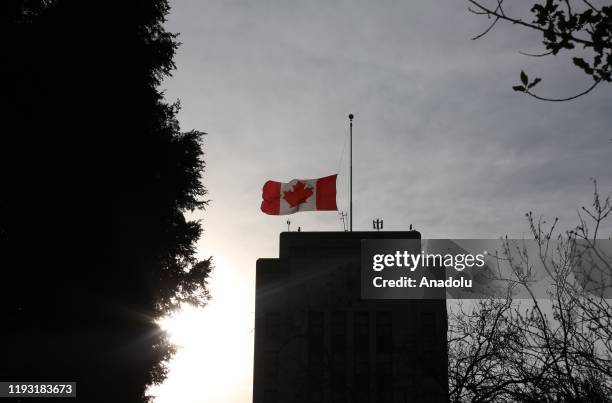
<point>214,345</point>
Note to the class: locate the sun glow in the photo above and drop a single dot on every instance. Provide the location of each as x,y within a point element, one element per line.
<point>214,358</point>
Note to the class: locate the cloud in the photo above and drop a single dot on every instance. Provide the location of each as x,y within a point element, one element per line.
<point>441,140</point>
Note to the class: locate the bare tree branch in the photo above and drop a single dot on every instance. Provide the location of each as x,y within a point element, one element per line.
<point>591,88</point>
<point>536,55</point>
<point>517,21</point>
<point>564,26</point>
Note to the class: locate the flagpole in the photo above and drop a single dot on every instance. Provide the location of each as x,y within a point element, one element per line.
<point>351,174</point>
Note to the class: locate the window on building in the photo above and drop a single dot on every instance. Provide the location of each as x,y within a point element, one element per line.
<point>384,378</point>
<point>339,392</point>
<point>338,372</point>
<point>316,353</point>
<point>384,332</point>
<point>338,357</point>
<point>270,396</point>
<point>316,394</point>
<point>361,331</point>
<point>272,325</point>
<point>270,363</point>
<point>361,379</point>
<point>338,331</point>
<point>349,276</point>
<point>316,368</point>
<point>428,324</point>
<point>316,329</point>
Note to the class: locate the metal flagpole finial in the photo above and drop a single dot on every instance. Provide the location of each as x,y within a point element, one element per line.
<point>351,116</point>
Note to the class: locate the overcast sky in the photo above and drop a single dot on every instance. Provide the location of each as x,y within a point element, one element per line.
<point>440,139</point>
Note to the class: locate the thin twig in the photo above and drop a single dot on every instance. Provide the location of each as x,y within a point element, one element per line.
<point>536,55</point>
<point>564,99</point>
<point>487,11</point>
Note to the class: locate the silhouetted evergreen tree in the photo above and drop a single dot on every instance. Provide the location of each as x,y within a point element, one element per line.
<point>95,178</point>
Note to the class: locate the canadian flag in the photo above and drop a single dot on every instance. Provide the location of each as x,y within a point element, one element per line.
<point>299,195</point>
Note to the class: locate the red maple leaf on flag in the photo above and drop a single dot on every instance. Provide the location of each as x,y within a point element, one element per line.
<point>298,195</point>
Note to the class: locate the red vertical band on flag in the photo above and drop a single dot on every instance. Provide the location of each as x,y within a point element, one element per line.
<point>326,193</point>
<point>271,198</point>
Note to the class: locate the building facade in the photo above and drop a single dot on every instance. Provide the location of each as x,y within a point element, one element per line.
<point>317,340</point>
